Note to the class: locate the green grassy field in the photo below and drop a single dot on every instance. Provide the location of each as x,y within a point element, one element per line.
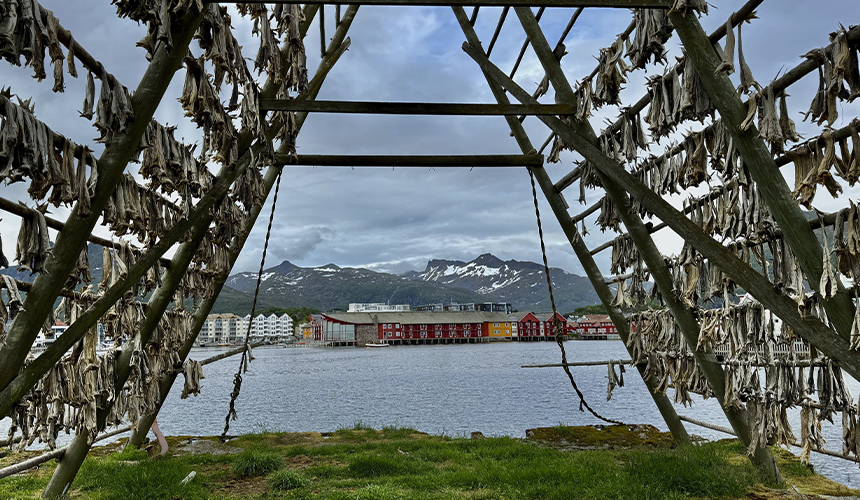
<point>397,463</point>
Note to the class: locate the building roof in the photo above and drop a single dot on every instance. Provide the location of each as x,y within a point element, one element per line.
<point>548,316</point>
<point>419,318</point>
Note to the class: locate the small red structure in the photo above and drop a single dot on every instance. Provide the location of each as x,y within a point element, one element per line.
<point>596,327</point>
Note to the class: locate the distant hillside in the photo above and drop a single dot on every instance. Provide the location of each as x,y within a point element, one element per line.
<point>520,283</point>
<point>484,279</point>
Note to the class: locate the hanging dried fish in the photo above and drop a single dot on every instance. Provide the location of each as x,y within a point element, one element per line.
<point>695,101</point>
<point>727,66</point>
<point>805,175</point>
<point>193,372</point>
<point>614,379</point>
<point>584,103</point>
<point>828,284</point>
<point>89,97</point>
<point>769,124</point>
<point>747,80</point>
<point>34,246</point>
<point>652,31</point>
<point>610,74</point>
<point>113,111</point>
<point>608,218</point>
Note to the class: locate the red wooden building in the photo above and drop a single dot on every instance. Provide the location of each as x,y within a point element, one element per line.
<point>596,327</point>
<point>531,326</point>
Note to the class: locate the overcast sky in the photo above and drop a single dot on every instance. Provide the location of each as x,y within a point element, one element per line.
<point>395,220</point>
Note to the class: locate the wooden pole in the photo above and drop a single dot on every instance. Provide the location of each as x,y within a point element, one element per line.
<point>41,365</point>
<point>809,328</point>
<point>579,247</point>
<point>769,181</point>
<point>58,453</point>
<point>720,428</point>
<point>412,108</point>
<point>162,296</point>
<point>72,240</point>
<point>652,257</point>
<point>336,48</point>
<point>25,211</point>
<point>528,160</point>
<point>617,4</point>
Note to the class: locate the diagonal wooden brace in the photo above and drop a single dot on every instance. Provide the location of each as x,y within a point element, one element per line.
<point>579,247</point>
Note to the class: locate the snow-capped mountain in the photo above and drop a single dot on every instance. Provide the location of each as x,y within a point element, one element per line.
<point>485,279</point>
<point>520,283</point>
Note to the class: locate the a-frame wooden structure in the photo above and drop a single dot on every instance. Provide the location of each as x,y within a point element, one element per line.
<point>742,146</point>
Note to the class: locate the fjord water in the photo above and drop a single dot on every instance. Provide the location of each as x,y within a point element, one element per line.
<point>450,389</point>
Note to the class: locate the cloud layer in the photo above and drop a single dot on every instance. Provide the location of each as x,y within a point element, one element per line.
<point>397,219</point>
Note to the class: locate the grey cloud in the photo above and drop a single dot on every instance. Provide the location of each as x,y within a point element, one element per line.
<point>385,219</point>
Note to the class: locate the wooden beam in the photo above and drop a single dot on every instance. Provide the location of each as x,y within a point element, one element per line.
<point>411,160</point>
<point>808,327</point>
<point>559,208</point>
<point>335,50</point>
<point>770,183</point>
<point>617,4</point>
<point>77,228</point>
<point>413,108</point>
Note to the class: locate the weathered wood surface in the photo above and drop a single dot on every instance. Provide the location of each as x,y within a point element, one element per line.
<point>337,47</point>
<point>619,4</point>
<point>763,169</point>
<point>527,160</point>
<point>111,165</point>
<point>58,453</point>
<point>413,108</point>
<point>559,208</point>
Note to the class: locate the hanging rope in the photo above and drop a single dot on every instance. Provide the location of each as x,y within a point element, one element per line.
<point>559,332</point>
<point>243,363</point>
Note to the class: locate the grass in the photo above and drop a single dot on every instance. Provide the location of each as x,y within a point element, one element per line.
<point>283,480</point>
<point>257,461</point>
<point>400,463</point>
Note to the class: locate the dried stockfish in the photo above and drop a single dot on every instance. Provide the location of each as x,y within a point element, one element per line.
<point>610,74</point>
<point>113,110</point>
<point>786,124</point>
<point>769,127</point>
<point>747,80</point>
<point>608,217</point>
<point>652,31</point>
<point>89,97</point>
<point>584,96</point>
<point>34,245</point>
<point>614,379</point>
<point>828,284</point>
<point>727,66</point>
<point>193,372</point>
<point>695,101</point>
<point>752,107</point>
<point>828,159</point>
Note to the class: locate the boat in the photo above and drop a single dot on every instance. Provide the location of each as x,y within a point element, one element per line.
<point>377,344</point>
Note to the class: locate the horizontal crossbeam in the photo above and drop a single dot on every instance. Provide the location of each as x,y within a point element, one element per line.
<point>620,4</point>
<point>410,160</point>
<point>414,108</point>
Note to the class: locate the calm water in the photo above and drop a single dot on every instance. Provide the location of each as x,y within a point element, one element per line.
<point>451,389</point>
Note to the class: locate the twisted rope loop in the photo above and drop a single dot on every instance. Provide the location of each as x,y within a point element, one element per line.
<point>559,331</point>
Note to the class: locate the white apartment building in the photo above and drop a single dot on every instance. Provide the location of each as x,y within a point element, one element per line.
<point>228,329</point>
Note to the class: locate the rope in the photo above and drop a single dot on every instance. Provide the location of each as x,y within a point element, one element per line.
<point>559,332</point>
<point>243,363</point>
